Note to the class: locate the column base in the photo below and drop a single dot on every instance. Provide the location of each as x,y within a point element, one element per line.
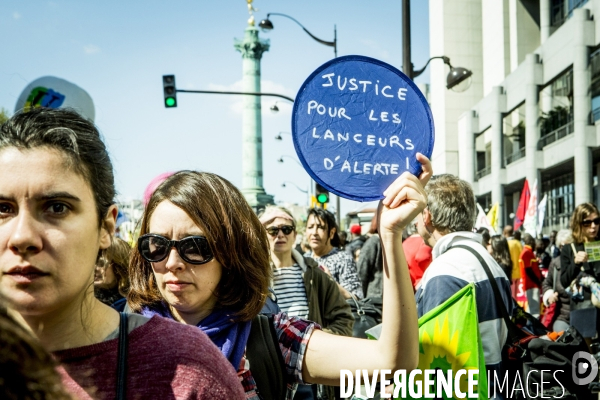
<point>258,199</point>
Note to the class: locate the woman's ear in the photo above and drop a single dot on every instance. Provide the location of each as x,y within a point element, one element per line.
<point>109,224</point>
<point>332,233</point>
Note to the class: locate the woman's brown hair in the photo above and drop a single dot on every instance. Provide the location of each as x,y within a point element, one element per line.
<point>581,212</point>
<point>118,255</point>
<point>28,372</point>
<point>235,235</point>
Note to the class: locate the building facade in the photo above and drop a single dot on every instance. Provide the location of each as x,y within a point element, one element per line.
<point>532,109</point>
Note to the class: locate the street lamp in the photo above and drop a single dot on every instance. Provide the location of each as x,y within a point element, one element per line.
<point>280,160</point>
<point>267,25</point>
<point>279,137</point>
<point>293,184</point>
<point>458,79</point>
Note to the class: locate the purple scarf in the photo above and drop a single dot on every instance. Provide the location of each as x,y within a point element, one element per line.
<point>229,336</point>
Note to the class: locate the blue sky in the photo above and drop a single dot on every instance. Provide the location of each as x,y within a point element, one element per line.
<point>118,51</point>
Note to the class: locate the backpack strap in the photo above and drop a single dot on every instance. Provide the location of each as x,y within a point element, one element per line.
<point>122,357</point>
<point>514,333</point>
<point>266,362</point>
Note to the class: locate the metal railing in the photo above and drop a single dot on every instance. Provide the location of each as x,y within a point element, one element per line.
<point>483,172</point>
<point>556,134</point>
<point>517,155</point>
<point>561,11</point>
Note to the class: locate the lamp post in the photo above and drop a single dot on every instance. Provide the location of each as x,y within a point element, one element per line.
<point>279,137</point>
<point>280,160</point>
<point>299,188</point>
<point>310,182</point>
<point>293,184</point>
<point>459,79</point>
<point>267,25</point>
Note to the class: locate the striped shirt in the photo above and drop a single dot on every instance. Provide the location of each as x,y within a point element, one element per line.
<point>289,289</point>
<point>453,269</point>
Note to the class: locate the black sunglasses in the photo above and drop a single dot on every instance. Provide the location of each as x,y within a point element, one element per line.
<point>588,222</point>
<point>192,249</point>
<point>274,230</point>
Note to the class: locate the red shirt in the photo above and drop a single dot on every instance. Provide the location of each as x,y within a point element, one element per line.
<point>530,269</point>
<point>166,360</point>
<point>418,257</point>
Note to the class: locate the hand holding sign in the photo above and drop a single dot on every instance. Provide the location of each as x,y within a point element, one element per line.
<point>404,199</point>
<point>358,124</point>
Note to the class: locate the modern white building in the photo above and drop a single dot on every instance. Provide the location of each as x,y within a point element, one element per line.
<point>532,108</point>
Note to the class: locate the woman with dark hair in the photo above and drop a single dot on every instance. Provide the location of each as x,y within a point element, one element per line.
<point>57,215</point>
<point>324,241</point>
<point>553,291</point>
<point>302,288</point>
<point>585,224</point>
<point>498,248</point>
<point>203,259</point>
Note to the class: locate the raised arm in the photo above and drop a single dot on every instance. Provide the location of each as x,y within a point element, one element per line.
<point>397,347</point>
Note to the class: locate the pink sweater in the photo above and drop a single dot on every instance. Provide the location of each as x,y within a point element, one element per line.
<point>166,360</point>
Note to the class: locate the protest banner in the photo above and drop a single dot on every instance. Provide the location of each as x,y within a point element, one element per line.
<point>357,125</point>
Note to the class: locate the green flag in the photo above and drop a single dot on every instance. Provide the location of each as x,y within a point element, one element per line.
<point>449,339</point>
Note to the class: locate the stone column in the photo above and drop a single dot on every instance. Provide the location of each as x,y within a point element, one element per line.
<point>252,49</point>
<point>544,20</point>
<point>532,134</point>
<point>498,109</point>
<point>466,147</point>
<point>581,107</point>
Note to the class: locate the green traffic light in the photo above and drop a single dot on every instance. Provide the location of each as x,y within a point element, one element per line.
<point>322,198</point>
<point>170,101</point>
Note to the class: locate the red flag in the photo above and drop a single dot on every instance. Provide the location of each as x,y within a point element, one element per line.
<point>523,203</point>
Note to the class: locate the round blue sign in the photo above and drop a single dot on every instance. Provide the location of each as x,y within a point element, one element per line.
<point>357,125</point>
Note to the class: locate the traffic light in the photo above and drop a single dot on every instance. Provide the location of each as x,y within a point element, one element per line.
<point>170,91</point>
<point>322,194</point>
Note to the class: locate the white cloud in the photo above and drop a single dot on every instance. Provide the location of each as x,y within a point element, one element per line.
<point>16,15</point>
<point>91,49</point>
<point>266,87</point>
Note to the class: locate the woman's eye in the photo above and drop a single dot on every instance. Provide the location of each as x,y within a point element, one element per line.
<point>6,209</point>
<point>58,208</point>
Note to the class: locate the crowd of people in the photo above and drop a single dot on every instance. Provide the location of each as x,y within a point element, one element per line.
<point>213,301</point>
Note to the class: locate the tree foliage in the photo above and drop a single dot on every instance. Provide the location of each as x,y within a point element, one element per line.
<point>4,116</point>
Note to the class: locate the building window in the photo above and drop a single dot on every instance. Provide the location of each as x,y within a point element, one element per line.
<point>484,157</point>
<point>556,110</point>
<point>485,201</point>
<point>561,10</point>
<point>561,201</point>
<point>513,129</point>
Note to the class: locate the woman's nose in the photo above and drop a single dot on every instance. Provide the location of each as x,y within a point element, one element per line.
<point>26,234</point>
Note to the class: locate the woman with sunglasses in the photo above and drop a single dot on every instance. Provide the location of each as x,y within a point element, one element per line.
<point>302,288</point>
<point>203,259</point>
<point>585,224</point>
<point>57,217</point>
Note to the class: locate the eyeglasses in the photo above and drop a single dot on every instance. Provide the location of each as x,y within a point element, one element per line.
<point>192,249</point>
<point>588,222</point>
<point>274,230</point>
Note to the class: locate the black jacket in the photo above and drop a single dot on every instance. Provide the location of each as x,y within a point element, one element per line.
<point>563,304</point>
<point>570,270</point>
<point>370,267</point>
